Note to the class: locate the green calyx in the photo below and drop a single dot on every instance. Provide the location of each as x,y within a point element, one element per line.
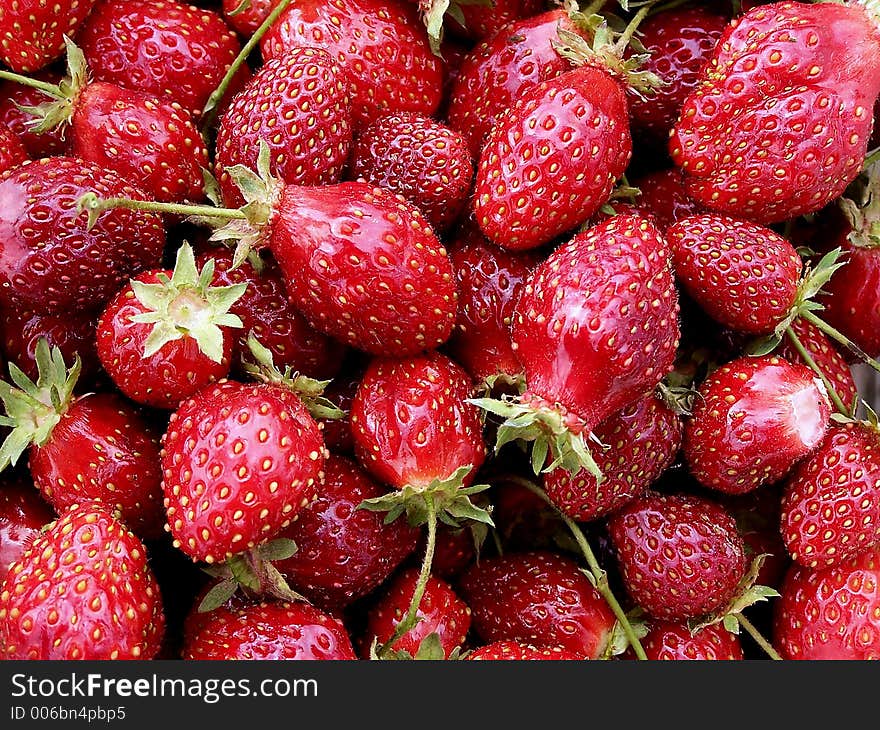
<point>430,649</point>
<point>33,409</point>
<point>435,11</point>
<point>546,429</point>
<point>863,215</point>
<point>186,305</point>
<point>310,391</point>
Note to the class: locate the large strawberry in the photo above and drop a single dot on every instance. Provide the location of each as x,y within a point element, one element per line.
<point>595,328</point>
<point>780,124</point>
<point>381,45</point>
<point>22,517</point>
<point>83,590</point>
<point>32,32</point>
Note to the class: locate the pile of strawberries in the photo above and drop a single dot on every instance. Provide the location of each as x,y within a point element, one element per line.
<point>437,329</point>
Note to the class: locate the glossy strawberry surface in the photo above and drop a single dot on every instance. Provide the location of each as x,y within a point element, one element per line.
<point>517,651</point>
<point>12,150</point>
<point>22,516</point>
<point>673,641</point>
<point>32,32</point>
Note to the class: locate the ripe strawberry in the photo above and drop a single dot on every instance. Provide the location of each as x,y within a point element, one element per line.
<point>831,503</point>
<point>754,419</point>
<point>595,328</point>
<point>679,556</point>
<point>92,447</point>
<point>816,65</point>
<point>83,590</point>
<point>674,641</point>
<point>832,613</point>
<point>14,100</point>
<point>664,197</point>
<point>485,19</point>
<point>640,441</point>
<point>269,631</point>
<point>419,158</point>
<point>168,334</point>
<point>22,516</point>
<point>343,553</point>
<point>50,260</point>
<point>743,275</point>
<point>12,151</point>
<point>32,32</point>
<point>516,651</point>
<point>238,462</point>
<point>341,392</point>
<point>440,612</point>
<point>169,49</point>
<point>537,598</point>
<point>299,105</point>
<point>247,18</point>
<point>380,44</point>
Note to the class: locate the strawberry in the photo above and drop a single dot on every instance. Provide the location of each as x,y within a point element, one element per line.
<point>664,197</point>
<point>537,598</point>
<point>831,503</point>
<point>238,462</point>
<point>22,516</point>
<point>168,49</point>
<point>246,18</point>
<point>421,159</point>
<point>50,260</point>
<point>595,328</point>
<point>674,641</point>
<point>640,442</point>
<point>83,590</point>
<point>516,651</point>
<point>483,19</point>
<point>341,392</point>
<point>379,44</point>
<point>754,419</point>
<point>832,613</point>
<point>743,275</point>
<point>679,556</point>
<point>12,151</point>
<point>92,447</point>
<point>307,125</point>
<point>269,631</point>
<point>780,123</point>
<point>343,553</point>
<point>168,334</point>
<point>32,32</point>
<point>440,612</point>
<point>14,100</point>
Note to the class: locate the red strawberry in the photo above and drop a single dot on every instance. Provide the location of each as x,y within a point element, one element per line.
<point>32,32</point>
<point>247,18</point>
<point>50,259</point>
<point>14,100</point>
<point>754,419</point>
<point>341,392</point>
<point>743,275</point>
<point>595,328</point>
<point>169,49</point>
<point>780,124</point>
<point>83,590</point>
<point>456,549</point>
<point>269,631</point>
<point>679,556</point>
<point>664,197</point>
<point>168,334</point>
<point>421,159</point>
<point>440,612</point>
<point>537,598</point>
<point>238,462</point>
<point>485,19</point>
<point>343,553</point>
<point>833,613</point>
<point>831,503</point>
<point>92,447</point>
<point>381,45</point>
<point>673,641</point>
<point>22,516</point>
<point>12,151</point>
<point>516,651</point>
<point>307,125</point>
<point>640,442</point>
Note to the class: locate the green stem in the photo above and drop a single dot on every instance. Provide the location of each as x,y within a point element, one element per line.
<point>841,338</point>
<point>593,7</point>
<point>47,88</point>
<point>811,363</point>
<point>411,617</point>
<point>92,202</point>
<point>599,575</point>
<point>212,105</point>
<point>871,158</point>
<point>759,640</point>
<point>626,36</point>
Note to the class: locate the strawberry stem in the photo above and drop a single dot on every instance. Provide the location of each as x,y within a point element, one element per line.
<point>600,577</point>
<point>96,205</point>
<point>758,638</point>
<point>52,90</point>
<point>811,363</point>
<point>211,107</point>
<point>623,41</point>
<point>841,338</point>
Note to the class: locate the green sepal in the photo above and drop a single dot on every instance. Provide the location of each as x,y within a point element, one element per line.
<point>812,281</point>
<point>219,594</point>
<point>433,13</point>
<point>863,215</point>
<point>619,641</point>
<point>58,113</point>
<point>680,399</point>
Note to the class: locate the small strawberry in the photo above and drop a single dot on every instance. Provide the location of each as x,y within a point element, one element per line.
<point>83,590</point>
<point>664,197</point>
<point>831,503</point>
<point>679,556</point>
<point>22,516</point>
<point>12,151</point>
<point>832,613</point>
<point>269,631</point>
<point>14,100</point>
<point>517,651</point>
<point>440,613</point>
<point>674,641</point>
<point>247,17</point>
<point>640,442</point>
<point>381,45</point>
<point>537,598</point>
<point>419,158</point>
<point>753,420</point>
<point>780,123</point>
<point>168,334</point>
<point>32,32</point>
